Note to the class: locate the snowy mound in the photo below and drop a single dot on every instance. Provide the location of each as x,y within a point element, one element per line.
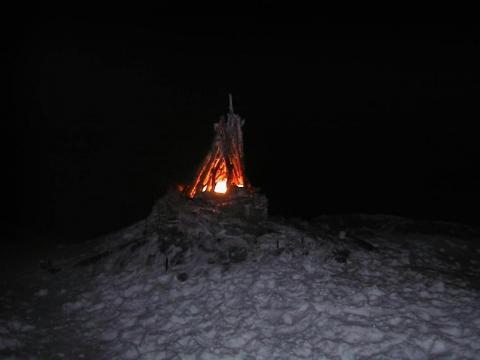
<point>235,287</point>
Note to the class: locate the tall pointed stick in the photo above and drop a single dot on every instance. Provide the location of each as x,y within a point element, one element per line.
<point>230,103</point>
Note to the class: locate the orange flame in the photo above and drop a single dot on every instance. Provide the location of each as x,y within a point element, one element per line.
<point>217,181</point>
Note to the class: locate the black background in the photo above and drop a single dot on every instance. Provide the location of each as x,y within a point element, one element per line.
<point>340,118</point>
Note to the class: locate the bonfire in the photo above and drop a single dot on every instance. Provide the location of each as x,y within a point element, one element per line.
<point>223,168</point>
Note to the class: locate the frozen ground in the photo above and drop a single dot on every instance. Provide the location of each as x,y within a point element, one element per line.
<point>417,297</point>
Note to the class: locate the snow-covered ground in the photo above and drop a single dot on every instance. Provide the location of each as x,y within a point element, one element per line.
<point>417,297</point>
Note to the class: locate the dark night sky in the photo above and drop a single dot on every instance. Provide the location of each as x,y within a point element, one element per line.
<point>340,118</point>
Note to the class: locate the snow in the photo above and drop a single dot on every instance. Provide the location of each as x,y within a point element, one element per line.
<point>42,292</point>
<point>403,301</point>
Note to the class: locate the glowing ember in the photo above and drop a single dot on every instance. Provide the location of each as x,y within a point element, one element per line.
<point>221,187</point>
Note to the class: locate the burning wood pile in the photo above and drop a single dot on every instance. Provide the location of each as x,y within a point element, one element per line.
<point>219,194</point>
<point>223,169</point>
<point>218,219</point>
<point>220,185</point>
